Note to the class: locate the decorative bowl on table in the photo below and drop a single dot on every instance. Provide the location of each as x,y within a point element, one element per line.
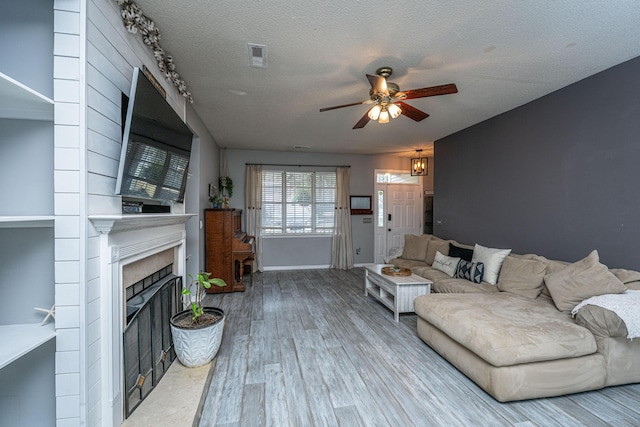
<point>396,271</point>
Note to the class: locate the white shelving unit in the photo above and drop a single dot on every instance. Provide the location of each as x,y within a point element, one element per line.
<point>27,352</point>
<point>18,101</point>
<point>27,221</point>
<point>22,339</point>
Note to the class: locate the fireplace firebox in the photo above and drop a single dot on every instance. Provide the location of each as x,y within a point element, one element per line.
<point>147,345</point>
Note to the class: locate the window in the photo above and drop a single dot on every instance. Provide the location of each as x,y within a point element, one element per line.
<point>381,208</point>
<point>298,202</point>
<point>396,178</point>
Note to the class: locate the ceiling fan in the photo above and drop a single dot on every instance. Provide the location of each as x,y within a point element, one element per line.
<point>388,99</point>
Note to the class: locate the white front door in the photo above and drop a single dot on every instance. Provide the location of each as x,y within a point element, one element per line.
<point>398,212</point>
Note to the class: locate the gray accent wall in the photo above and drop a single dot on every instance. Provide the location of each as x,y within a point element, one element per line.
<point>558,176</point>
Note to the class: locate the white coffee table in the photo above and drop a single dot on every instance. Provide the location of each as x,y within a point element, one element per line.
<point>395,292</point>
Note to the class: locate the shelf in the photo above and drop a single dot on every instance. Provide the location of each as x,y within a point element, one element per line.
<point>18,101</point>
<point>18,340</point>
<point>35,221</point>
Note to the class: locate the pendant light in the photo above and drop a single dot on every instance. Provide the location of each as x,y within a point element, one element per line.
<point>419,165</point>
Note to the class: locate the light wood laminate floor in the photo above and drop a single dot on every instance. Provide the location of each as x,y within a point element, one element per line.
<point>306,348</point>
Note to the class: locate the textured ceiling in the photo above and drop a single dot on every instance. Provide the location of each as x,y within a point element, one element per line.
<point>500,54</point>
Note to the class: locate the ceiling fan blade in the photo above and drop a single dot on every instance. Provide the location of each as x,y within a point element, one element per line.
<point>430,91</point>
<point>378,84</point>
<point>411,112</point>
<point>345,105</point>
<point>363,121</point>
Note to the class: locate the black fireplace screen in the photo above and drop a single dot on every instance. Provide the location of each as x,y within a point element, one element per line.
<point>147,344</point>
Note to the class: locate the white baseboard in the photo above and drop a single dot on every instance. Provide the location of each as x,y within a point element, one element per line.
<point>306,267</point>
<point>296,267</point>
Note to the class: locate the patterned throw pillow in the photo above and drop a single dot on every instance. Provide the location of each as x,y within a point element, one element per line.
<point>472,271</point>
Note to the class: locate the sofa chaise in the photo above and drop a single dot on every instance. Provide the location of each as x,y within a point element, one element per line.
<point>513,333</point>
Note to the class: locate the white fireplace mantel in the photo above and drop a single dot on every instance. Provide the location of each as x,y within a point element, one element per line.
<point>106,224</point>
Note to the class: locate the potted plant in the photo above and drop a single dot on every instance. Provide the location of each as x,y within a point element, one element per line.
<point>197,331</point>
<point>216,201</point>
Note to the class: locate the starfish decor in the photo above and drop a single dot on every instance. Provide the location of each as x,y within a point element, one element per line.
<point>50,313</point>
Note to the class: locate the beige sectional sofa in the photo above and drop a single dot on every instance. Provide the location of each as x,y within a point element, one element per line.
<point>517,338</point>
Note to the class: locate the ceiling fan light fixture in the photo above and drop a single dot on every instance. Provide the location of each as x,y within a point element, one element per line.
<point>389,102</point>
<point>419,165</point>
<point>384,116</point>
<point>394,111</point>
<point>374,112</point>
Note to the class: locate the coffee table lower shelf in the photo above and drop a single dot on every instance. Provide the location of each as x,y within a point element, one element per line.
<point>395,292</point>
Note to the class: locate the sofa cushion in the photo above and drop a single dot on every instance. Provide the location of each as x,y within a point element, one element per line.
<point>461,286</point>
<point>522,276</point>
<point>436,245</point>
<point>581,280</point>
<point>633,285</point>
<point>445,263</point>
<point>460,252</point>
<point>406,263</point>
<point>626,276</point>
<point>506,329</point>
<point>472,271</point>
<point>430,273</point>
<point>492,260</point>
<point>415,247</point>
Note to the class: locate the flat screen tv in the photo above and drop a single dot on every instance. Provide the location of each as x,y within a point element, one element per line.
<point>156,145</point>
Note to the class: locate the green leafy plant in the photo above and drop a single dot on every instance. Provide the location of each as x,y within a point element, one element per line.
<point>216,201</point>
<point>201,283</point>
<point>226,186</point>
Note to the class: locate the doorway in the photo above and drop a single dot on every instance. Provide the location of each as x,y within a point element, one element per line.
<point>398,210</point>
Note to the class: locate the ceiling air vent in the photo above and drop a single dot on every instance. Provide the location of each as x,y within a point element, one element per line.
<point>257,55</point>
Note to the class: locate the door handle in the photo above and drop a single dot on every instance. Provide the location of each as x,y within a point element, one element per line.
<point>389,217</point>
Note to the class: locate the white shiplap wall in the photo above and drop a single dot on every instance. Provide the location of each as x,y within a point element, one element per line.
<point>68,209</point>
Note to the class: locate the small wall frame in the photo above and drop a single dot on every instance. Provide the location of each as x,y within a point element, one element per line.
<point>360,205</point>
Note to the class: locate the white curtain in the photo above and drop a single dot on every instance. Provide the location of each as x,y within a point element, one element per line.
<point>342,245</point>
<point>253,204</point>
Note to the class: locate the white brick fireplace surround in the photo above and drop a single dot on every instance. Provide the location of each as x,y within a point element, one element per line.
<point>125,239</point>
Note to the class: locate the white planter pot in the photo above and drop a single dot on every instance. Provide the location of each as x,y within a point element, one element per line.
<point>197,346</point>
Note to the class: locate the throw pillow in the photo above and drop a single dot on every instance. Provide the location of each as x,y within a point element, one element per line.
<point>415,247</point>
<point>394,252</point>
<point>522,276</point>
<point>445,263</point>
<point>463,253</point>
<point>581,280</point>
<point>436,245</point>
<point>492,260</point>
<point>472,271</point>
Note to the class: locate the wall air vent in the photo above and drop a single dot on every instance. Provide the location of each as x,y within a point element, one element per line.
<point>257,55</point>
